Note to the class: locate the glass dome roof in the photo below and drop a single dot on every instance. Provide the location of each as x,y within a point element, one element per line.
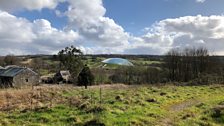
<point>118,61</point>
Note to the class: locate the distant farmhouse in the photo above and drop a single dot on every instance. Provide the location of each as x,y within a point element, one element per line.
<point>15,76</point>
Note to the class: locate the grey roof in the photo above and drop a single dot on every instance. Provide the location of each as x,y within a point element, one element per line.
<point>11,66</point>
<point>1,70</point>
<point>12,71</point>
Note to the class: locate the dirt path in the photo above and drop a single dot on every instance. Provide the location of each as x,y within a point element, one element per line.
<point>183,105</point>
<point>175,109</point>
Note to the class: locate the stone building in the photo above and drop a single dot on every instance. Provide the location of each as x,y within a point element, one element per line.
<point>62,76</point>
<point>14,76</point>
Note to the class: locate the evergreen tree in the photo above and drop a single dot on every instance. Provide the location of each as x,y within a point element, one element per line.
<point>71,59</point>
<point>85,77</point>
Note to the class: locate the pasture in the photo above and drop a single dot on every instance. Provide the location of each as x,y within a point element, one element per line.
<point>113,105</point>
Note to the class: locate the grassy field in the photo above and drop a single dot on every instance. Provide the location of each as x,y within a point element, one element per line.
<point>119,105</point>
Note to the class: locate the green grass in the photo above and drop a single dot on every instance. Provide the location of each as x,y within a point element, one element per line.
<point>44,72</point>
<point>94,63</point>
<point>135,105</point>
<point>142,62</point>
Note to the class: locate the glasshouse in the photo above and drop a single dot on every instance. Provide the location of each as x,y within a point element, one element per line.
<point>117,61</point>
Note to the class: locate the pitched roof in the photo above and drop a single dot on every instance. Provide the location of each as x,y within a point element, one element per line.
<point>13,71</point>
<point>64,73</point>
<point>9,66</point>
<point>1,69</point>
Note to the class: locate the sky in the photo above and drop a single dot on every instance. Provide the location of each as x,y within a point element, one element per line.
<point>110,26</point>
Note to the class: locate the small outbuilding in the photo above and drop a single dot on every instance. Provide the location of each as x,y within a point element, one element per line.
<point>62,76</point>
<point>15,76</point>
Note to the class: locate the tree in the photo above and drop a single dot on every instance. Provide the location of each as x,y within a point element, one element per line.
<point>2,61</point>
<point>85,77</point>
<point>71,59</point>
<point>11,60</point>
<point>187,64</point>
<point>36,64</point>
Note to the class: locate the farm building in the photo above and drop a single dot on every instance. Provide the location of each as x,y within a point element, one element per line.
<point>47,79</point>
<point>14,76</point>
<point>62,76</point>
<point>1,67</point>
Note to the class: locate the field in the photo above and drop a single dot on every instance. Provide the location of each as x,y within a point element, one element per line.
<point>113,105</point>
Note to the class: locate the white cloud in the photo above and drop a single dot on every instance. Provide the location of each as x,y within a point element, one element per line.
<point>13,5</point>
<point>87,17</point>
<point>20,36</point>
<point>200,1</point>
<point>13,29</point>
<point>95,32</point>
<point>188,31</point>
<point>90,30</point>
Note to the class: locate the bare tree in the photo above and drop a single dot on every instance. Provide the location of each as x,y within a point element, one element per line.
<point>11,60</point>
<point>186,64</point>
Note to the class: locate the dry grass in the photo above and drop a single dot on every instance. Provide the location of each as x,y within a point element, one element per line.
<point>30,98</point>
<point>42,96</point>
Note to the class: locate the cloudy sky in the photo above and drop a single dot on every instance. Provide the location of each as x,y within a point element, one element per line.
<point>110,26</point>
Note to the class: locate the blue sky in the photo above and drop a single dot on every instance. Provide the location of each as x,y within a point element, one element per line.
<point>111,26</point>
<point>135,15</point>
<point>49,14</point>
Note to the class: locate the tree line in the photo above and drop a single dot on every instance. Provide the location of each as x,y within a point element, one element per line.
<point>187,64</point>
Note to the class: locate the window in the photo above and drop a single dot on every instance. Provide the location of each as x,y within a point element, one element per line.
<point>27,80</point>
